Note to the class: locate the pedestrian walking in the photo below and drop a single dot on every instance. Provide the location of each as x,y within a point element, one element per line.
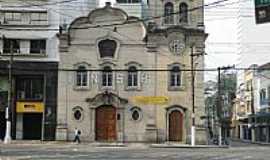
<point>77,133</point>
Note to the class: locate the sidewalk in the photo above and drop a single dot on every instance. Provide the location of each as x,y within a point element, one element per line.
<point>250,142</point>
<point>90,144</point>
<point>113,145</point>
<point>32,142</point>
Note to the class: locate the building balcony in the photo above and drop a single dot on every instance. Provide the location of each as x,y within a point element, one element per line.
<point>20,54</point>
<point>23,17</point>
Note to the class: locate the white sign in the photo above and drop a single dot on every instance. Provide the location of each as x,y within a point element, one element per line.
<point>145,78</point>
<point>120,77</point>
<point>94,77</point>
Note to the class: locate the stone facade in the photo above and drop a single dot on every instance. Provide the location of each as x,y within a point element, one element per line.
<point>94,79</point>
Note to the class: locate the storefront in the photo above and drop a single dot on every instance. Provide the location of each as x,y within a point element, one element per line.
<point>29,120</point>
<point>262,127</point>
<point>244,129</point>
<point>33,108</point>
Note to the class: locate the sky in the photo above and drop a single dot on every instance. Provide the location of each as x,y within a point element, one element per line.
<point>221,44</point>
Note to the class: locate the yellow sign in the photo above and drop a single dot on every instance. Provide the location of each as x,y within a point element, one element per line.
<point>154,100</point>
<point>29,107</point>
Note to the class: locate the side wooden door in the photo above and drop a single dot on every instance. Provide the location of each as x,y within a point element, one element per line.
<point>101,131</point>
<point>175,126</point>
<point>111,124</point>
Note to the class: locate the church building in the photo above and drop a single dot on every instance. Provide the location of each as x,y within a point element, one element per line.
<point>124,79</point>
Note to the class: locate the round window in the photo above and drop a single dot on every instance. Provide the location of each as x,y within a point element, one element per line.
<point>135,115</point>
<point>176,46</point>
<point>77,115</point>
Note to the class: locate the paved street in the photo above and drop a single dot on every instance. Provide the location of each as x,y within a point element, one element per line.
<point>52,151</point>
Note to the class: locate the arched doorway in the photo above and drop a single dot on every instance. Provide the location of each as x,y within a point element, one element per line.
<point>106,123</point>
<point>175,126</point>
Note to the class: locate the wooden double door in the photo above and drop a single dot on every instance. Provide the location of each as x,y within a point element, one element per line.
<point>175,126</point>
<point>106,123</point>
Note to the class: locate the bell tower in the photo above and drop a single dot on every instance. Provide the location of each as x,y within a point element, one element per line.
<point>177,12</point>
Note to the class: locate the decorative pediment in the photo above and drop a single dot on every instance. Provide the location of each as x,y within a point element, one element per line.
<point>176,107</point>
<point>89,28</point>
<point>133,63</point>
<point>102,16</point>
<point>106,98</point>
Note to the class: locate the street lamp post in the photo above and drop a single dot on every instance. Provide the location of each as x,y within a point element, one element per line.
<point>7,138</point>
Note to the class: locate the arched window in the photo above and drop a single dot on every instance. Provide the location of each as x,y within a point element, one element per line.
<point>132,77</point>
<point>107,48</point>
<point>183,13</point>
<point>175,77</point>
<point>107,77</point>
<point>168,13</point>
<point>82,78</point>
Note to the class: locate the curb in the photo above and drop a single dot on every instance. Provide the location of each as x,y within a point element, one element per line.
<point>108,145</point>
<point>249,142</point>
<point>185,146</point>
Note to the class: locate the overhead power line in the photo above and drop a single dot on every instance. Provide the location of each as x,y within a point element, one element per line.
<point>47,4</point>
<point>144,70</point>
<point>213,4</point>
<point>37,5</point>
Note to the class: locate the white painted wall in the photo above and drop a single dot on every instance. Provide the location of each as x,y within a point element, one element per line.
<point>58,14</point>
<point>263,83</point>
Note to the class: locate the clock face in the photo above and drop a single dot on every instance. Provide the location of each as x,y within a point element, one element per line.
<point>177,47</point>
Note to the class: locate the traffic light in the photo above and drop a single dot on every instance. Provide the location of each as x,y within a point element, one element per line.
<point>262,11</point>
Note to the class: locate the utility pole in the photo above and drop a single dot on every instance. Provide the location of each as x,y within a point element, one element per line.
<point>219,108</point>
<point>253,119</point>
<point>219,104</point>
<point>7,138</point>
<point>193,129</point>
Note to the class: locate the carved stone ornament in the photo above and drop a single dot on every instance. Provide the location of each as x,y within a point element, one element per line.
<point>177,47</point>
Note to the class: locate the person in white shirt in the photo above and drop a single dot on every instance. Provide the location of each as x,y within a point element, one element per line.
<point>77,133</point>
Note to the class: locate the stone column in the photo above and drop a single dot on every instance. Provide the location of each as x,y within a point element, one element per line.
<point>92,123</point>
<point>267,134</point>
<point>253,134</point>
<point>241,131</point>
<point>19,126</point>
